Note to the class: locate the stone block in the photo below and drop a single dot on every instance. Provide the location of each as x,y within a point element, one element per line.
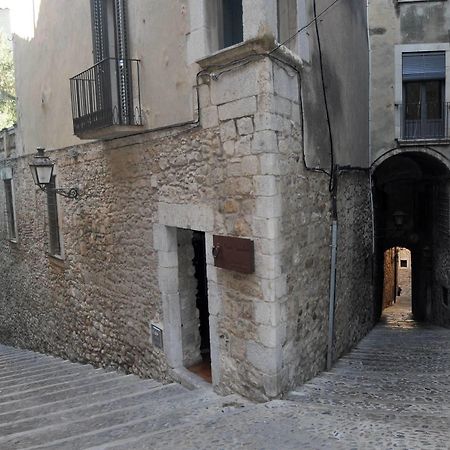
<point>245,126</point>
<point>238,108</point>
<point>189,216</point>
<point>168,280</point>
<point>269,164</point>
<point>285,83</point>
<point>267,266</point>
<point>168,259</point>
<point>268,360</point>
<point>164,238</point>
<point>267,313</point>
<point>235,85</point>
<point>249,165</point>
<point>268,121</point>
<point>230,206</point>
<point>266,228</point>
<point>227,131</point>
<point>244,145</point>
<point>209,117</point>
<point>228,148</point>
<point>264,142</point>
<point>266,185</point>
<point>272,336</point>
<point>269,206</point>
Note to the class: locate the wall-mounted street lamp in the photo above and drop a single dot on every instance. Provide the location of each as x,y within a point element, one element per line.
<point>42,171</point>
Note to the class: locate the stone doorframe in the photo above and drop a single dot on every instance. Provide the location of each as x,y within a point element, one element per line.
<point>189,217</point>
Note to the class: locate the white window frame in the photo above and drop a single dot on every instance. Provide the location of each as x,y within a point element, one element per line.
<point>398,87</point>
<point>12,236</point>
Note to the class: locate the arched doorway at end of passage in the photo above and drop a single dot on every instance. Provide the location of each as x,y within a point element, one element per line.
<point>397,281</point>
<point>411,192</point>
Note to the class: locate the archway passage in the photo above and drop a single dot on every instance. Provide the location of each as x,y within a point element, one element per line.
<point>411,198</point>
<point>397,285</point>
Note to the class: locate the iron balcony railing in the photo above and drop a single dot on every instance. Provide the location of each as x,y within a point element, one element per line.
<point>424,121</point>
<point>106,94</point>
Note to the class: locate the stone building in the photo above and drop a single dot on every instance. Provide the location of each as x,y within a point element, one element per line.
<point>410,152</point>
<point>190,124</point>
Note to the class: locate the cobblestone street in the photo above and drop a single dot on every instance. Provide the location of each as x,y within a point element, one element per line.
<point>392,391</point>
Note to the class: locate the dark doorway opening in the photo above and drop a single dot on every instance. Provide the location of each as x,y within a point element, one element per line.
<point>203,367</point>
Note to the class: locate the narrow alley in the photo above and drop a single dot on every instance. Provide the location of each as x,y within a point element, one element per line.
<point>392,391</point>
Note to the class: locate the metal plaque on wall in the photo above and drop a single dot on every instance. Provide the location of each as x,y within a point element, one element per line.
<point>157,336</point>
<point>232,253</point>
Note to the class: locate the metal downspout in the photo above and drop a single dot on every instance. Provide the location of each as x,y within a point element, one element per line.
<point>332,299</point>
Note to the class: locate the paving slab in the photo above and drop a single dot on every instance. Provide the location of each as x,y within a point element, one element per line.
<point>391,392</point>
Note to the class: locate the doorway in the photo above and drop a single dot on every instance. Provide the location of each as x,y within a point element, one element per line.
<point>193,291</point>
<point>397,284</point>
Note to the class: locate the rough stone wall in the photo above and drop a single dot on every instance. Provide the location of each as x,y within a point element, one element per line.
<point>389,281</point>
<point>241,173</point>
<point>354,305</point>
<point>98,302</point>
<point>441,260</point>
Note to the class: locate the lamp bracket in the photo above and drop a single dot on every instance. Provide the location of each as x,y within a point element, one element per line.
<point>68,193</point>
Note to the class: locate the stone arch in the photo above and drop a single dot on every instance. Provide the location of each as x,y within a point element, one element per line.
<point>411,190</point>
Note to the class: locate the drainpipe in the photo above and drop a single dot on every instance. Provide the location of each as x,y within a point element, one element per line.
<point>332,299</point>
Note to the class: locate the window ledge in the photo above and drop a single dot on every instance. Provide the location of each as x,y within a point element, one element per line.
<point>415,142</point>
<point>57,260</point>
<point>262,45</point>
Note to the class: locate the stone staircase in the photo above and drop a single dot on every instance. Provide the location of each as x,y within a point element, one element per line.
<point>49,403</point>
<point>391,392</point>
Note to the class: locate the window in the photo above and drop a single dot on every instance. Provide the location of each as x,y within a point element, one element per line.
<point>424,108</point>
<point>403,263</point>
<point>106,97</point>
<point>287,22</point>
<point>445,295</point>
<point>231,30</point>
<point>53,219</point>
<point>10,210</point>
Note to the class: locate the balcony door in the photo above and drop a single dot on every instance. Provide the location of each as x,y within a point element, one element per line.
<point>112,71</point>
<point>424,109</point>
<point>424,113</point>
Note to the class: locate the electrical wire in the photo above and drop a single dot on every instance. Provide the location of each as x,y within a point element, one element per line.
<point>314,19</point>
<point>331,186</point>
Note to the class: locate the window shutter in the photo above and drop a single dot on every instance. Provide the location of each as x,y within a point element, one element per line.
<point>424,66</point>
<point>99,30</point>
<point>123,69</point>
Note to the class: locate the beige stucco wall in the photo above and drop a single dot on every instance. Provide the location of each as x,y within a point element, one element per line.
<point>60,46</point>
<point>394,23</point>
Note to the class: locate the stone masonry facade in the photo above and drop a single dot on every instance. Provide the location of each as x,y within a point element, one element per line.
<point>239,173</point>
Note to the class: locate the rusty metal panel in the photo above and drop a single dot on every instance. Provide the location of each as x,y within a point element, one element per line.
<point>234,253</point>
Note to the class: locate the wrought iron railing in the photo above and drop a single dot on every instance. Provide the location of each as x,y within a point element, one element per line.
<point>106,94</point>
<point>419,121</point>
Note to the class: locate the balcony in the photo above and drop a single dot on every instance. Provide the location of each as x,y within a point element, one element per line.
<point>106,99</point>
<point>424,122</point>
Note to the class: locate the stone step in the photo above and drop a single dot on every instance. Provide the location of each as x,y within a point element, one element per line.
<point>156,397</point>
<point>103,393</point>
<point>22,393</point>
<point>45,379</point>
<point>198,406</point>
<point>46,366</point>
<point>67,393</point>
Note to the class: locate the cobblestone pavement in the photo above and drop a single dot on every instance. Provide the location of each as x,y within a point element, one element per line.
<point>391,392</point>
